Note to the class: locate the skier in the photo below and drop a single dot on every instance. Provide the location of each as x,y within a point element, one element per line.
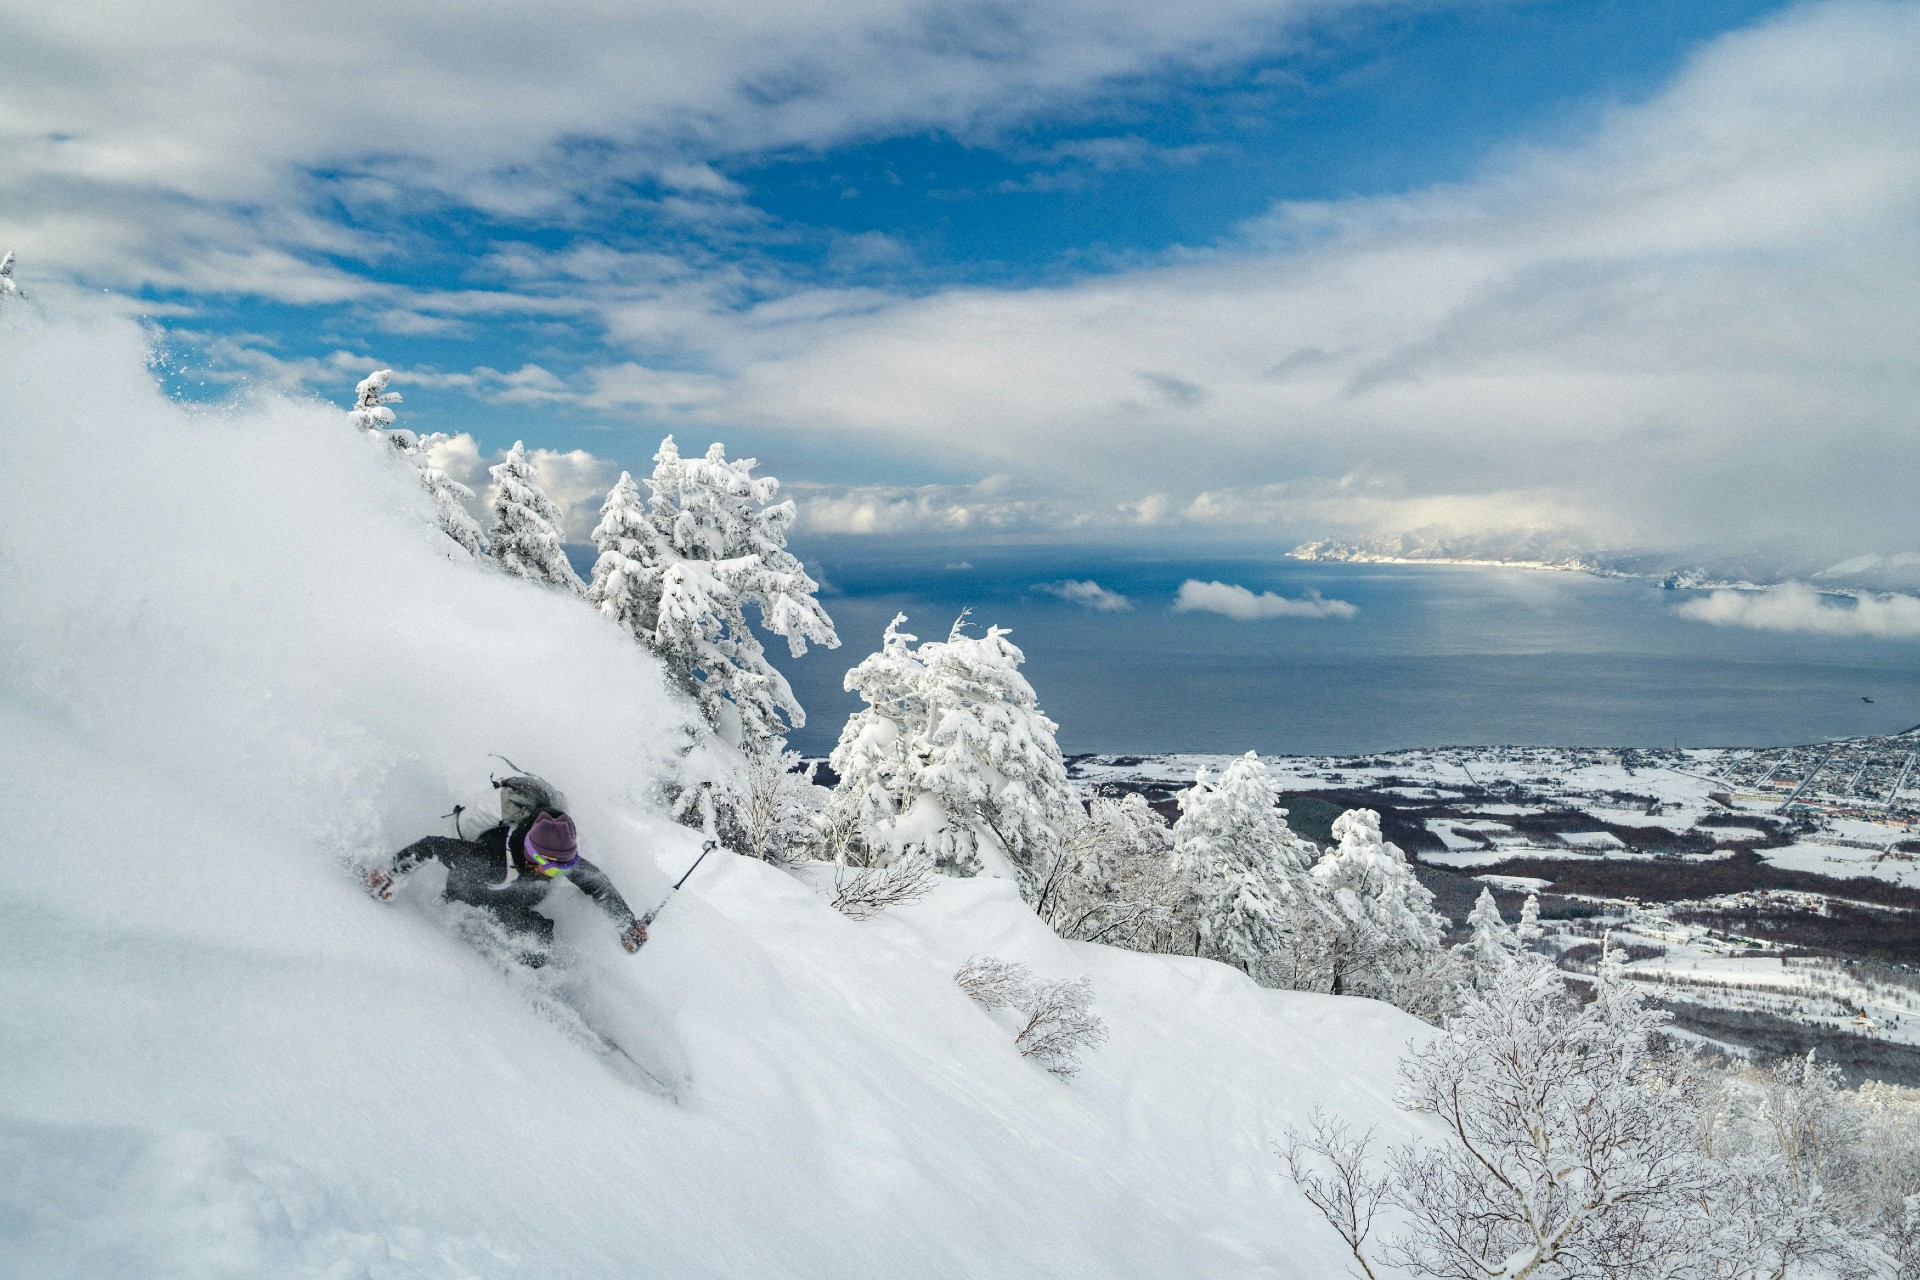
<point>509,868</point>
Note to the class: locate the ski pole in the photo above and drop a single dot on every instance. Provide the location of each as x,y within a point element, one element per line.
<point>705,849</point>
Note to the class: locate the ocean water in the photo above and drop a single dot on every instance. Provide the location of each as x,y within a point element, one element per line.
<point>1434,655</point>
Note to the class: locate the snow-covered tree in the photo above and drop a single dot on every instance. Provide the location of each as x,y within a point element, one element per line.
<point>1246,869</point>
<point>951,756</point>
<point>1379,926</point>
<point>1796,1149</point>
<point>1110,879</point>
<point>372,413</point>
<point>1579,1146</point>
<point>1569,1151</point>
<point>625,584</point>
<point>371,399</point>
<point>681,573</point>
<point>526,525</point>
<point>450,497</point>
<point>1569,1148</point>
<point>1889,1155</point>
<point>9,287</point>
<point>1528,931</point>
<point>876,758</point>
<point>1489,952</point>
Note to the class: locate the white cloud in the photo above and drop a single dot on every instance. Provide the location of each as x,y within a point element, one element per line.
<point>633,385</point>
<point>991,505</point>
<point>1694,326</point>
<point>1086,593</point>
<point>1795,606</point>
<point>1238,602</point>
<point>186,144</point>
<point>1152,509</point>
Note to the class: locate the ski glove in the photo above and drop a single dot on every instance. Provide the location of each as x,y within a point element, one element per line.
<point>634,938</point>
<point>378,883</point>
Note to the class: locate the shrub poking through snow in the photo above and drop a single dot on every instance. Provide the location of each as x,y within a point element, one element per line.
<point>1060,1022</point>
<point>863,893</point>
<point>993,983</point>
<point>769,805</point>
<point>1109,880</point>
<point>1329,1164</point>
<point>526,525</point>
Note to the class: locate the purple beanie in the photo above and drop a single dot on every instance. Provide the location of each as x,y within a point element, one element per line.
<point>551,840</point>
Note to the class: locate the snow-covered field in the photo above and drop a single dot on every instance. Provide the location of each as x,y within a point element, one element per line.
<point>1826,994</point>
<point>1486,788</point>
<point>239,661</point>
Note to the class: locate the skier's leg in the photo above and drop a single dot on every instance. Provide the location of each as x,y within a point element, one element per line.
<point>532,935</point>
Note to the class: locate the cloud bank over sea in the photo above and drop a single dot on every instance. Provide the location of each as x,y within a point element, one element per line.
<point>1673,318</point>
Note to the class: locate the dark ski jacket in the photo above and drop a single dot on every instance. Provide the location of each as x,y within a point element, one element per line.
<point>476,867</point>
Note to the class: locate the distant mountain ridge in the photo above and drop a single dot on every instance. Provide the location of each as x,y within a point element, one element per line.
<point>1560,550</point>
<point>1539,549</point>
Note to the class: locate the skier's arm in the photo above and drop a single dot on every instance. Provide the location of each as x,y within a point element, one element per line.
<point>380,883</point>
<point>593,882</point>
<point>445,848</point>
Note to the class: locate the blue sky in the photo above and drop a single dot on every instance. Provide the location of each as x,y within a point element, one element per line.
<point>1107,269</point>
<point>1375,104</point>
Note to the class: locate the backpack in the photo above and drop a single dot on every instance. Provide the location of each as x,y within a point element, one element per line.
<point>524,796</point>
<point>512,800</point>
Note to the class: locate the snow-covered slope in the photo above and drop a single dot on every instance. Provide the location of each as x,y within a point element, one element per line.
<point>237,657</point>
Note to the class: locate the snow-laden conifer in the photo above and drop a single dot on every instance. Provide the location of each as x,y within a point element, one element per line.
<point>1489,950</point>
<point>450,497</point>
<point>526,525</point>
<point>1247,870</point>
<point>9,287</point>
<point>1527,930</point>
<point>951,756</point>
<point>625,584</point>
<point>371,399</point>
<point>1379,923</point>
<point>372,413</point>
<point>681,574</point>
